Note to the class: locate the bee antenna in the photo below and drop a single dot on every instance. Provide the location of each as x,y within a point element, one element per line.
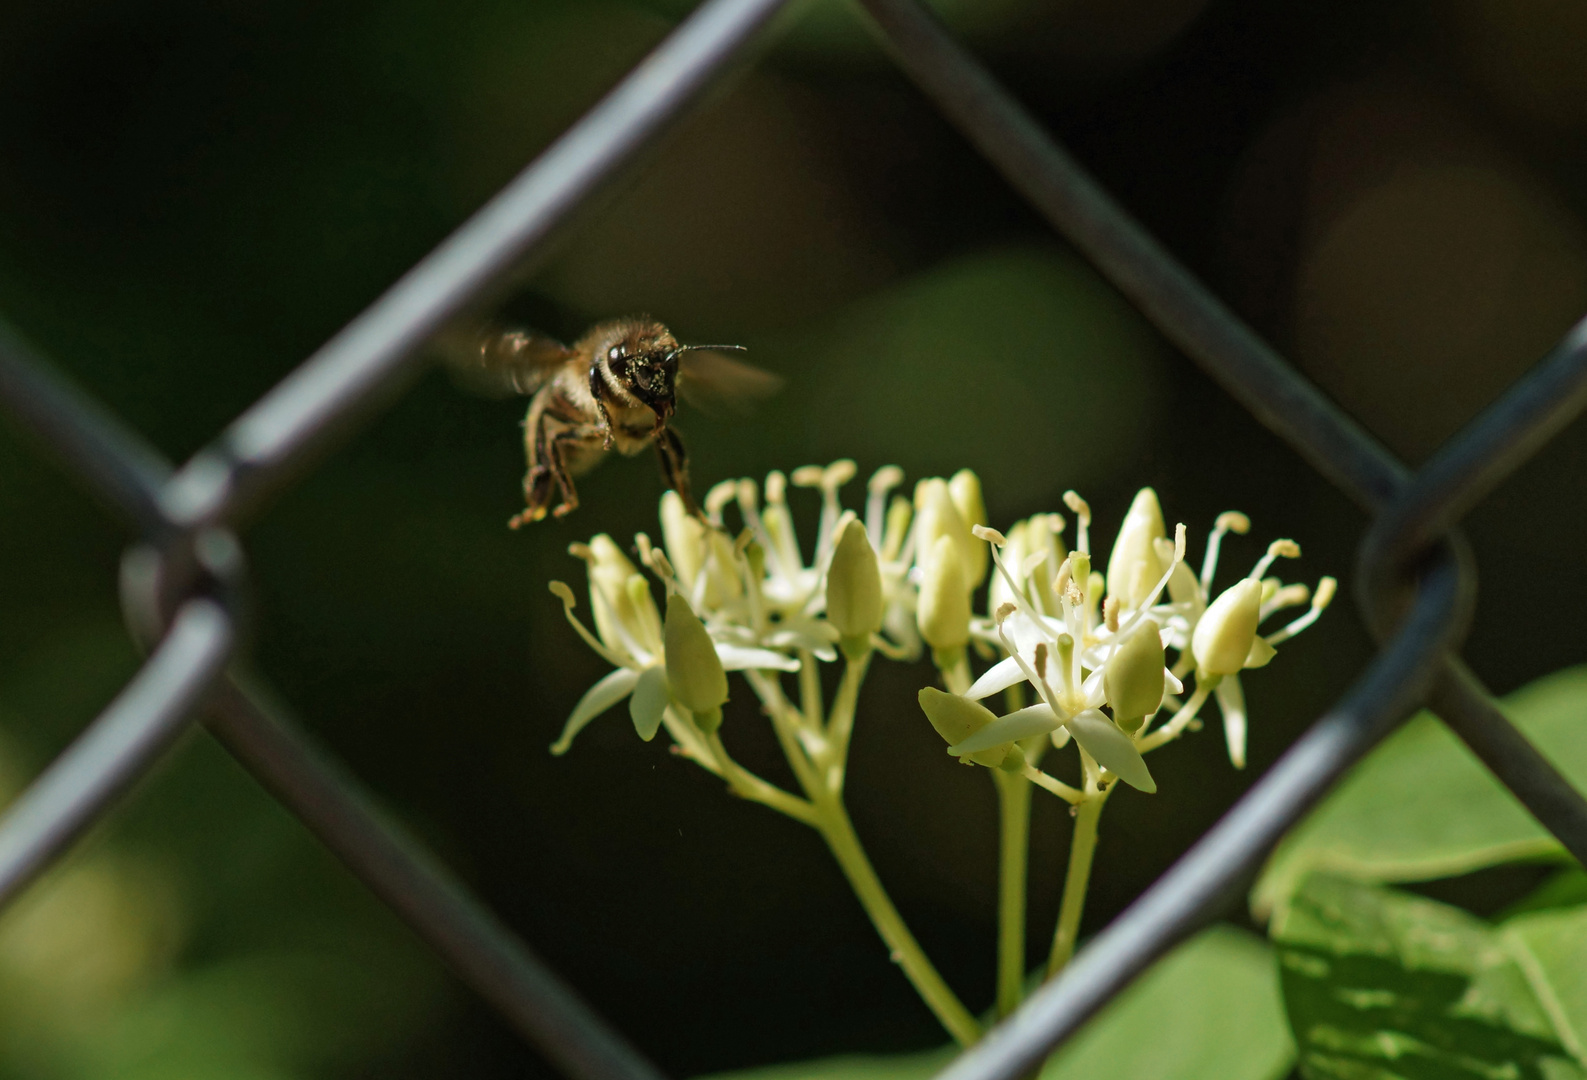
<point>719,348</point>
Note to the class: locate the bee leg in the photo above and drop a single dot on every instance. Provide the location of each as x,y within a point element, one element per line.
<point>675,468</point>
<point>538,487</point>
<point>547,473</point>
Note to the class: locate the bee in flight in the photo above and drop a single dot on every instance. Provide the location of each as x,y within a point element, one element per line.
<point>615,388</point>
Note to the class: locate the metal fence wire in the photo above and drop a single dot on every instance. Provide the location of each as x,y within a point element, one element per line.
<point>181,585</point>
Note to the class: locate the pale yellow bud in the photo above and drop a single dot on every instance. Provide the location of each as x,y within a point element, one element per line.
<point>944,611</point>
<point>936,515</point>
<point>854,584</point>
<point>1133,679</point>
<point>1133,566</point>
<point>694,671</point>
<point>965,491</point>
<point>957,718</point>
<point>683,535</point>
<point>1223,637</point>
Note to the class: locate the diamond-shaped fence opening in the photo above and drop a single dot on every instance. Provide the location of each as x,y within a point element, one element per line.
<point>181,584</point>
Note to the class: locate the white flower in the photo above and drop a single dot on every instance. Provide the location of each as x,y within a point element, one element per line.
<point>1081,652</point>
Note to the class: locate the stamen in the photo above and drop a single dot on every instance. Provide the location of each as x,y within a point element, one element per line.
<point>561,591</point>
<point>1110,613</point>
<point>881,482</point>
<point>1019,594</point>
<point>1060,583</point>
<point>719,496</point>
<point>1003,611</point>
<point>1082,512</point>
<point>807,476</point>
<point>991,536</point>
<point>1041,659</point>
<point>1319,602</point>
<point>1036,680</point>
<point>1162,582</point>
<point>748,497</point>
<point>1230,521</point>
<point>776,488</point>
<point>1286,549</point>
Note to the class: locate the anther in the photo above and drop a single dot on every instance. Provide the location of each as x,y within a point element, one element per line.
<point>991,536</point>
<point>1110,613</point>
<point>1003,612</point>
<point>1233,521</point>
<point>885,479</point>
<point>838,473</point>
<point>1041,660</point>
<point>1060,583</point>
<point>807,476</point>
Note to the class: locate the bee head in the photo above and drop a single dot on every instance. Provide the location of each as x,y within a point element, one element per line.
<point>645,365</point>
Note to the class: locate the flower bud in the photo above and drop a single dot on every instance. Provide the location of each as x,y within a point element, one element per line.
<point>1133,566</point>
<point>854,586</point>
<point>1223,637</point>
<point>936,515</point>
<point>944,611</point>
<point>1133,679</point>
<point>683,535</point>
<point>965,491</point>
<point>694,671</point>
<point>957,718</point>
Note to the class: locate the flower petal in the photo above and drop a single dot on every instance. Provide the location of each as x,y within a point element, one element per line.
<point>649,701</point>
<point>742,657</point>
<point>596,700</point>
<point>1022,724</point>
<point>1113,750</point>
<point>1231,702</point>
<point>1000,676</point>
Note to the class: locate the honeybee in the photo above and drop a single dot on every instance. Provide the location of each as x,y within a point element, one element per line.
<point>615,388</point>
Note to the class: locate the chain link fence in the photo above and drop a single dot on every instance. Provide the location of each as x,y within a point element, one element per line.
<point>183,584</point>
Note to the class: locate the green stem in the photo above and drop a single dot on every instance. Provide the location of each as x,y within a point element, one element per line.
<point>838,831</point>
<point>1082,847</point>
<point>810,690</point>
<point>840,724</point>
<point>747,785</point>
<point>1013,798</point>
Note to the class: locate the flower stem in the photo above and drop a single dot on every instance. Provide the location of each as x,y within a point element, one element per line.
<point>747,785</point>
<point>840,724</point>
<point>838,831</point>
<point>1082,847</point>
<point>1013,798</point>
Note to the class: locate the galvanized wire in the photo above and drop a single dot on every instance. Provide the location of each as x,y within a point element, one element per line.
<point>183,582</point>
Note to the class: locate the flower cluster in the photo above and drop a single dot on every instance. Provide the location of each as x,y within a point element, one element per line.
<point>1094,648</point>
<point>1076,654</point>
<point>1101,654</point>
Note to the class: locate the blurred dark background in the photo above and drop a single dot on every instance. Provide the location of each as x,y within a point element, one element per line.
<point>194,195</point>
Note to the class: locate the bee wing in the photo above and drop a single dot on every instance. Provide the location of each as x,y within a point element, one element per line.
<point>498,363</point>
<point>712,381</point>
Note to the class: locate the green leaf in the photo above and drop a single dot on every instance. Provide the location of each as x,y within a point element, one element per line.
<point>1380,984</point>
<point>1422,807</point>
<point>1551,947</point>
<point>1208,1011</point>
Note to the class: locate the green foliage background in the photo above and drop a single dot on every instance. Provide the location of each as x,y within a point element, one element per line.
<point>193,196</point>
